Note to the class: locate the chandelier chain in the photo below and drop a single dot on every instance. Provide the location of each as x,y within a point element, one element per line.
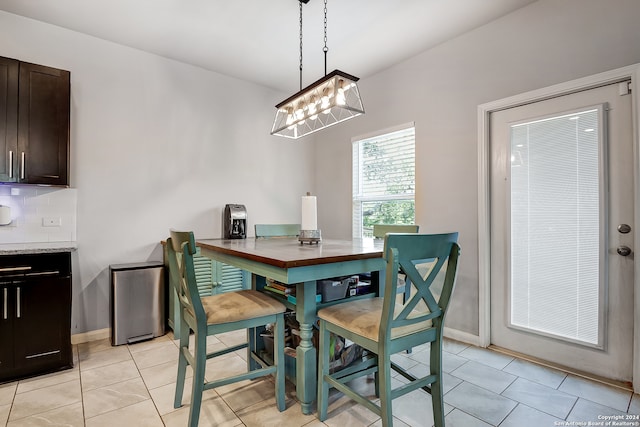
<point>300,2</point>
<point>325,49</point>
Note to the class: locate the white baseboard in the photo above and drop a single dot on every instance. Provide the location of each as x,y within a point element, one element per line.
<point>462,336</point>
<point>99,334</point>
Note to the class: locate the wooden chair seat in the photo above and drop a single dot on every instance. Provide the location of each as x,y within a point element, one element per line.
<point>237,306</point>
<point>363,318</point>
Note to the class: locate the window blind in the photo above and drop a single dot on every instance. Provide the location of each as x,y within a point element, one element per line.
<point>383,172</point>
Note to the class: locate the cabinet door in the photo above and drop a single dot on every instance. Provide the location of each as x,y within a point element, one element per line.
<point>43,125</point>
<point>8,119</point>
<point>228,278</point>
<point>42,324</point>
<point>203,267</point>
<point>7,299</point>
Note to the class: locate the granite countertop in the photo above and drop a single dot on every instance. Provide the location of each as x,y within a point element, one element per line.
<point>37,248</point>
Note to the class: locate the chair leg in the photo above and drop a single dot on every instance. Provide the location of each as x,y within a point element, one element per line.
<point>435,364</point>
<point>182,363</point>
<point>384,388</point>
<point>376,379</point>
<point>200,360</point>
<point>252,337</point>
<point>279,361</point>
<point>323,369</point>
<point>406,295</point>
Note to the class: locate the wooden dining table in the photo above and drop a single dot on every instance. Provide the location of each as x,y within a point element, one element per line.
<point>289,261</point>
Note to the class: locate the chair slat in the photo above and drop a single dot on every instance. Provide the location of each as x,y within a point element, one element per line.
<point>379,230</point>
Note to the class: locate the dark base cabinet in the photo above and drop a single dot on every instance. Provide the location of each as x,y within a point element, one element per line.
<point>35,314</point>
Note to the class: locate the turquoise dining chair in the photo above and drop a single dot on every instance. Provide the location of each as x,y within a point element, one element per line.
<point>379,231</point>
<point>267,231</point>
<point>383,327</point>
<point>210,315</point>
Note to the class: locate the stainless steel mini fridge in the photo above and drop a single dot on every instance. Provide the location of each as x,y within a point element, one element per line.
<point>137,302</point>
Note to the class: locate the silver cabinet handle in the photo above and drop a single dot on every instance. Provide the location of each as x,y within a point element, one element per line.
<point>22,165</point>
<point>48,353</point>
<point>6,269</point>
<point>18,302</point>
<point>10,164</point>
<point>4,310</point>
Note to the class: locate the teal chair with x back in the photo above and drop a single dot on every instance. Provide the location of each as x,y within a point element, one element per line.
<point>210,315</point>
<point>268,231</point>
<point>383,327</point>
<point>379,231</point>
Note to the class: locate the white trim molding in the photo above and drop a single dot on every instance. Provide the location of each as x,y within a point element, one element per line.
<point>484,207</point>
<point>462,336</point>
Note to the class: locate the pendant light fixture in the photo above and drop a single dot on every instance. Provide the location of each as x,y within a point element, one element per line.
<point>332,99</point>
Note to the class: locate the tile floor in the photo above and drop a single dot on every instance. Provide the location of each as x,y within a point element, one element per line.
<point>133,386</point>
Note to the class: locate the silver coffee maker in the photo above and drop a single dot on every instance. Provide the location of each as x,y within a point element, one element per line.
<point>234,222</point>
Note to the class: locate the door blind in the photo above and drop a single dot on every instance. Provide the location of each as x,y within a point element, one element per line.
<point>556,224</point>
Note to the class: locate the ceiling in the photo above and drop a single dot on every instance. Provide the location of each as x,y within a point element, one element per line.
<point>258,40</point>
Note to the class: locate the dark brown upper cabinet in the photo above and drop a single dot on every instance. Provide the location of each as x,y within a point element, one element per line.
<point>9,70</point>
<point>34,123</point>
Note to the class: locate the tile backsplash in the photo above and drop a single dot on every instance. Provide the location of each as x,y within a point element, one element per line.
<point>39,214</point>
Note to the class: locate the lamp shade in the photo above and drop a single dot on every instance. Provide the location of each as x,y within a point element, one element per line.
<point>330,100</point>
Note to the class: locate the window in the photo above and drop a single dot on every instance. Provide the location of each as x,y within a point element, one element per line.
<point>383,180</point>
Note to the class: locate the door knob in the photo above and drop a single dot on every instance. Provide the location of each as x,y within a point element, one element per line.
<point>624,228</point>
<point>623,250</point>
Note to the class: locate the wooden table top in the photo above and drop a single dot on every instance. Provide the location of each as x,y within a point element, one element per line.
<point>288,253</point>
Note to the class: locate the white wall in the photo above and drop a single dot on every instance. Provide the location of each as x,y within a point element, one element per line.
<point>547,42</point>
<point>157,144</point>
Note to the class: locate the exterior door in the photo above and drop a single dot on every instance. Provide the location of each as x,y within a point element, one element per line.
<point>561,219</point>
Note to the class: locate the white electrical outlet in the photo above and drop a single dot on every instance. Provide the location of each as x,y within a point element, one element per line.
<point>51,221</point>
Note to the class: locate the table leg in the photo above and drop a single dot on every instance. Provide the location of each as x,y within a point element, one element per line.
<point>306,353</point>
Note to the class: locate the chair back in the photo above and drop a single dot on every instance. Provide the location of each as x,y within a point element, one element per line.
<point>181,247</point>
<point>267,231</point>
<point>379,230</point>
<point>430,263</point>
